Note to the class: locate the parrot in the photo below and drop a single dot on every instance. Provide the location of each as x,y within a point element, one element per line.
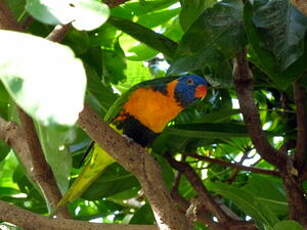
<point>141,114</point>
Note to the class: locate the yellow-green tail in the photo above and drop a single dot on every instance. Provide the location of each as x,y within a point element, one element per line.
<point>99,160</point>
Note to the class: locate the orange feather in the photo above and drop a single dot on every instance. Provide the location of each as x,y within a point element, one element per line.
<point>152,108</point>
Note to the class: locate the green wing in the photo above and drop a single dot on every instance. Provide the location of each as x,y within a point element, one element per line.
<point>119,103</point>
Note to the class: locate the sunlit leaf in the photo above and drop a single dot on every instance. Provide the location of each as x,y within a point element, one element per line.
<point>83,14</point>
<point>55,143</point>
<point>43,77</point>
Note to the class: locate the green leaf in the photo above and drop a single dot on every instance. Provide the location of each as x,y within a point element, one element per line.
<point>114,180</point>
<point>17,7</point>
<point>136,73</point>
<point>157,18</point>
<point>220,27</point>
<point>100,96</point>
<point>284,27</point>
<point>132,8</point>
<point>83,14</point>
<point>147,36</point>
<point>261,54</point>
<point>208,130</point>
<point>287,225</point>
<point>43,77</point>
<point>114,65</point>
<point>144,215</point>
<point>4,150</point>
<point>55,143</point>
<point>213,63</point>
<point>134,50</point>
<point>211,41</point>
<point>268,191</point>
<point>4,102</point>
<point>191,9</point>
<point>246,202</point>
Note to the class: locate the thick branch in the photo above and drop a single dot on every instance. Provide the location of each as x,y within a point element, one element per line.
<point>202,191</point>
<point>243,84</point>
<point>30,221</point>
<point>136,160</point>
<point>234,165</point>
<point>41,173</point>
<point>301,117</point>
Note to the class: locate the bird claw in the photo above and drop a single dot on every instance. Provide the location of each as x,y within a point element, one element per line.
<point>129,139</point>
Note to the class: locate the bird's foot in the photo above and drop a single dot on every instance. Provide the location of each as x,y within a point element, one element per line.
<point>129,139</point>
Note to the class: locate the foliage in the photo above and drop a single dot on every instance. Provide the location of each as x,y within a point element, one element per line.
<point>144,40</point>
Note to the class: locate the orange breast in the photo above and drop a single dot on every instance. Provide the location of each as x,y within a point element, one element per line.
<point>152,108</point>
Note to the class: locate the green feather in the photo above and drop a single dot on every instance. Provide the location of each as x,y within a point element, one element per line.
<point>119,103</point>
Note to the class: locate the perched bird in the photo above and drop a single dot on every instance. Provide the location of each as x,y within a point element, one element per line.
<point>149,106</point>
<point>141,114</point>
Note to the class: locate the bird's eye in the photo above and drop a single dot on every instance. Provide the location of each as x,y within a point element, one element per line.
<point>190,81</point>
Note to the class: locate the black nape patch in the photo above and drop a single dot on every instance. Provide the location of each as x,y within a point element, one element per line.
<point>136,130</point>
<point>161,88</point>
<point>181,100</point>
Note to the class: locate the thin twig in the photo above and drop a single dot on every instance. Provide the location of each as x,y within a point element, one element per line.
<point>202,191</point>
<point>234,165</point>
<point>59,32</point>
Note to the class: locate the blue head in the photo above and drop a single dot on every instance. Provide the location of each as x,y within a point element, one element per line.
<point>189,88</point>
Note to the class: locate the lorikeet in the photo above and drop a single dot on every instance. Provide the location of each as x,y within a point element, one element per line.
<point>141,113</point>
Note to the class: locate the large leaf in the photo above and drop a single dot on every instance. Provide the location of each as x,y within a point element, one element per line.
<point>208,130</point>
<point>43,77</point>
<point>55,143</point>
<point>285,29</point>
<point>268,191</point>
<point>83,14</point>
<point>191,9</point>
<point>147,36</point>
<point>157,18</point>
<point>246,202</point>
<point>213,39</point>
<point>261,53</point>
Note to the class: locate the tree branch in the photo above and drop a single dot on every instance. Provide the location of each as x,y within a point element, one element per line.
<point>301,117</point>
<point>202,191</point>
<point>234,165</point>
<point>59,32</point>
<point>243,85</point>
<point>30,221</point>
<point>7,20</point>
<point>136,160</point>
<point>41,172</point>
